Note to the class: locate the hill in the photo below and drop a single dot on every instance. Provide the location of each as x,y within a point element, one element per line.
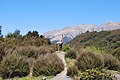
<point>105,40</point>
<point>92,50</point>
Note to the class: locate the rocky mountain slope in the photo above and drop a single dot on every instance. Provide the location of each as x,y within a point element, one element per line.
<point>72,31</point>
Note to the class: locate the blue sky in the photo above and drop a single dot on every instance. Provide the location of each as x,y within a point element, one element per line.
<point>46,15</point>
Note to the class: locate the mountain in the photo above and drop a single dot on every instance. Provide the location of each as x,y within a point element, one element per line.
<point>72,31</point>
<point>69,32</point>
<point>110,26</point>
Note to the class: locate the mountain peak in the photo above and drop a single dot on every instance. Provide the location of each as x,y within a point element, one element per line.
<point>111,25</point>
<point>71,32</point>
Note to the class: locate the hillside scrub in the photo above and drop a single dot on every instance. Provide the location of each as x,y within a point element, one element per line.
<point>95,49</point>
<point>111,63</point>
<point>17,63</point>
<point>66,48</point>
<point>30,39</point>
<point>116,53</point>
<point>107,41</point>
<point>17,51</point>
<point>2,52</point>
<point>48,65</point>
<point>89,60</point>
<point>91,65</point>
<point>14,65</point>
<point>33,51</point>
<point>95,74</point>
<point>71,54</point>
<point>72,71</point>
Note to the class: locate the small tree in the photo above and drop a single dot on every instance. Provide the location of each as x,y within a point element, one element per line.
<point>1,31</point>
<point>10,35</point>
<point>32,34</point>
<point>17,32</point>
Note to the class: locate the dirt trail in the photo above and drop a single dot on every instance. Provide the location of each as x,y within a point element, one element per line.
<point>62,75</point>
<point>117,77</point>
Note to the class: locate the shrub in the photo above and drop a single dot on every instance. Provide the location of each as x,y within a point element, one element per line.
<point>95,74</point>
<point>42,51</point>
<point>28,51</point>
<point>66,48</point>
<point>48,65</point>
<point>71,54</point>
<point>116,53</point>
<point>14,65</point>
<point>47,49</point>
<point>72,71</point>
<point>32,51</point>
<point>95,49</point>
<point>111,62</point>
<point>2,52</point>
<point>89,60</point>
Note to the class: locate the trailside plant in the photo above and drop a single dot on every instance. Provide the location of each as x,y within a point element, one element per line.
<point>89,60</point>
<point>48,65</point>
<point>71,54</point>
<point>95,74</point>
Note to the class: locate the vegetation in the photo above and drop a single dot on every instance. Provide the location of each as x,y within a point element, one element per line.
<point>14,65</point>
<point>89,60</point>
<point>95,50</point>
<point>116,53</point>
<point>71,54</point>
<point>66,48</point>
<point>1,31</point>
<point>107,41</point>
<point>98,52</point>
<point>2,52</point>
<point>32,53</point>
<point>95,74</point>
<point>88,56</point>
<point>111,62</point>
<point>72,71</point>
<point>34,78</point>
<point>90,65</point>
<point>48,65</point>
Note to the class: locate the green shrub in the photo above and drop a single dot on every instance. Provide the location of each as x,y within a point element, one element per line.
<point>95,74</point>
<point>111,62</point>
<point>89,60</point>
<point>71,54</point>
<point>14,65</point>
<point>66,48</point>
<point>72,71</point>
<point>94,49</point>
<point>116,53</point>
<point>48,65</point>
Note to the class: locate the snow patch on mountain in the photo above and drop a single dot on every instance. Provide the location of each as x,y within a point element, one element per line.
<point>72,31</point>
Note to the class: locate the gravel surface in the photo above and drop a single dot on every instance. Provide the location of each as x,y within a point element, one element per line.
<point>117,77</point>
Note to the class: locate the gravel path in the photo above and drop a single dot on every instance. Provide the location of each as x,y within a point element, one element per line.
<point>62,75</point>
<point>117,77</point>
